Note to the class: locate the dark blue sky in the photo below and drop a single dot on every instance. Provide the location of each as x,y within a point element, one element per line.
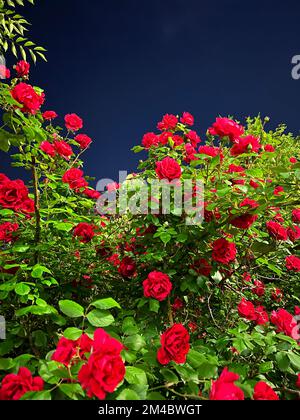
<point>122,64</point>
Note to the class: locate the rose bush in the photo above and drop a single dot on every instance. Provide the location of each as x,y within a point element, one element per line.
<point>148,306</point>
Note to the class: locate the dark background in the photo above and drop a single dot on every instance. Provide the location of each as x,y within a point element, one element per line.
<point>122,64</point>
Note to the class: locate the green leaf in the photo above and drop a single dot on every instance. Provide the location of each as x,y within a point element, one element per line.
<point>6,364</point>
<point>154,305</point>
<point>38,270</point>
<point>72,390</point>
<point>135,376</point>
<point>283,361</point>
<point>107,303</point>
<point>72,333</point>
<point>128,395</point>
<point>129,326</point>
<point>22,289</point>
<point>169,376</point>
<point>99,318</point>
<point>135,342</point>
<point>42,395</point>
<point>71,309</point>
<point>295,360</point>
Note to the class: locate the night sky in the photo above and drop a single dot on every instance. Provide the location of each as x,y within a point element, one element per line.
<point>122,64</point>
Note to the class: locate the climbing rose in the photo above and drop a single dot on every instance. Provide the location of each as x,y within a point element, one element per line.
<point>187,119</point>
<point>296,215</point>
<point>84,231</point>
<point>224,127</point>
<point>169,122</point>
<point>127,267</point>
<point>224,387</point>
<point>269,148</point>
<point>262,316</point>
<point>285,323</point>
<point>223,251</point>
<point>193,138</point>
<point>293,263</point>
<point>7,230</point>
<point>248,144</point>
<point>168,168</point>
<point>67,349</point>
<point>277,231</point>
<point>13,194</point>
<point>259,288</point>
<point>149,140</point>
<point>83,140</point>
<point>22,68</point>
<point>246,310</point>
<point>178,304</point>
<point>48,148</point>
<point>294,233</point>
<point>27,96</point>
<point>49,115</point>
<point>91,193</point>
<point>73,122</point>
<point>105,368</point>
<point>157,286</point>
<point>211,151</point>
<point>174,345</point>
<point>277,295</point>
<point>74,177</point>
<point>13,386</point>
<point>202,267</point>
<point>63,149</point>
<point>263,391</point>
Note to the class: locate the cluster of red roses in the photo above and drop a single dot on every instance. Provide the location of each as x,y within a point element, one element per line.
<point>76,181</point>
<point>14,195</point>
<point>224,388</point>
<point>104,369</point>
<point>14,386</point>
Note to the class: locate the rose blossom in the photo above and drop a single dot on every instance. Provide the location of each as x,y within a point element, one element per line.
<point>174,345</point>
<point>14,386</point>
<point>224,387</point>
<point>157,286</point>
<point>73,122</point>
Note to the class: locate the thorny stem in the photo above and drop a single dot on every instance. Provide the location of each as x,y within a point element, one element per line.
<point>37,236</point>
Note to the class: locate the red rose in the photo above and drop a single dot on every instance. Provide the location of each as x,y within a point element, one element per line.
<point>48,148</point>
<point>169,122</point>
<point>262,316</point>
<point>178,304</point>
<point>278,190</point>
<point>248,144</point>
<point>3,179</point>
<point>224,387</point>
<point>84,231</point>
<point>224,127</point>
<point>259,288</point>
<point>22,68</point>
<point>190,153</point>
<point>174,345</point>
<point>297,310</point>
<point>157,286</point>
<point>67,350</point>
<point>73,122</point>
<point>168,168</point>
<point>83,140</point>
<point>277,295</point>
<point>293,160</point>
<point>127,267</point>
<point>193,138</point>
<point>202,267</point>
<point>211,151</point>
<point>149,140</point>
<point>74,177</point>
<point>187,119</point>
<point>285,323</point>
<point>105,368</point>
<point>246,310</point>
<point>49,115</point>
<point>263,391</point>
<point>13,194</point>
<point>91,193</point>
<point>298,381</point>
<point>63,149</point>
<point>236,169</point>
<point>27,96</point>
<point>13,386</point>
<point>277,231</point>
<point>296,215</point>
<point>4,72</point>
<point>269,148</point>
<point>245,221</point>
<point>27,206</point>
<point>224,251</point>
<point>178,140</point>
<point>6,231</point>
<point>253,184</point>
<point>293,263</point>
<point>294,233</point>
